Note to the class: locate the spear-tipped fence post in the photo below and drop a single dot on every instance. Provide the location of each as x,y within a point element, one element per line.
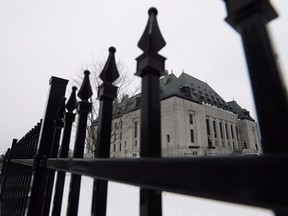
<point>107,92</point>
<point>249,18</point>
<point>58,125</point>
<point>69,118</point>
<point>84,108</point>
<point>150,67</point>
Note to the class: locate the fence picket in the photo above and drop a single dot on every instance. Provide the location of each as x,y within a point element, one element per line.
<point>107,93</point>
<point>150,67</point>
<point>69,118</point>
<point>84,108</point>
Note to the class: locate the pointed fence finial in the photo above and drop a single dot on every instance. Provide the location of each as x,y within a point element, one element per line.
<point>85,91</point>
<point>72,101</point>
<point>110,72</point>
<point>152,40</point>
<point>61,110</point>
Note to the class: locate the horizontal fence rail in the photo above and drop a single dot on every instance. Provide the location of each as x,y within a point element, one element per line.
<point>40,160</point>
<point>190,176</point>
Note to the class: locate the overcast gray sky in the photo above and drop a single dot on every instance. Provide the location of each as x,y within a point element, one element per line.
<point>40,39</point>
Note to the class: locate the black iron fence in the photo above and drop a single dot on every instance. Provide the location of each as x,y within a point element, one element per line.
<point>33,164</point>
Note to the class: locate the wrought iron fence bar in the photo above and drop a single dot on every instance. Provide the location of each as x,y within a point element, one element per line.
<point>249,18</point>
<point>242,178</point>
<point>26,162</point>
<point>84,108</point>
<point>58,125</point>
<point>69,118</point>
<point>150,67</point>
<point>56,93</point>
<point>107,92</point>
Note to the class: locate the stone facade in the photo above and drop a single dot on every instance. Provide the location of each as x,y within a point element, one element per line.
<point>189,129</point>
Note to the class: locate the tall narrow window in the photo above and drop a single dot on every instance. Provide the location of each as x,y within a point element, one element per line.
<point>214,129</point>
<point>226,128</point>
<point>168,138</point>
<point>207,127</point>
<point>120,147</point>
<point>221,131</point>
<point>135,129</point>
<point>232,133</point>
<point>192,135</point>
<point>191,118</point>
<point>114,147</point>
<point>236,128</point>
<point>135,142</point>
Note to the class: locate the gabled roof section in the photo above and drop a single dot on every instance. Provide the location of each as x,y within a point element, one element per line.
<point>242,113</point>
<point>126,105</point>
<point>170,86</point>
<point>203,92</point>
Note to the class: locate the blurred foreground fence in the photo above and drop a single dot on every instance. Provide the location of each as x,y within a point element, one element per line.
<point>33,165</point>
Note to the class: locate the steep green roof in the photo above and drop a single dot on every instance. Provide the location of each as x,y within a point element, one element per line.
<point>242,113</point>
<point>188,88</point>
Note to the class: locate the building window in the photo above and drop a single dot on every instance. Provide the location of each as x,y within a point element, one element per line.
<point>135,129</point>
<point>236,128</point>
<point>191,118</point>
<point>221,131</point>
<point>114,147</point>
<point>120,147</point>
<point>244,144</point>
<point>192,135</point>
<point>232,133</point>
<point>226,128</point>
<point>214,129</point>
<point>168,138</point>
<point>207,127</point>
<point>194,153</point>
<point>135,142</point>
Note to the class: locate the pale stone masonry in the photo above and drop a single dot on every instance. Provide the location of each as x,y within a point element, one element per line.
<point>195,121</point>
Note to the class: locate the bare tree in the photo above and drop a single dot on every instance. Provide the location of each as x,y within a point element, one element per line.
<point>127,87</point>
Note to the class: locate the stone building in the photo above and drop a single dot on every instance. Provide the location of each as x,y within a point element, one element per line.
<point>195,121</point>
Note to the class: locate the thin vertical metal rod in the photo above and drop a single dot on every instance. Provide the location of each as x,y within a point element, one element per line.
<point>150,67</point>
<point>84,108</point>
<point>59,124</point>
<point>107,93</point>
<point>69,118</point>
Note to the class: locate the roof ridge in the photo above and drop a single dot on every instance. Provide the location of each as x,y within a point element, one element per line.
<point>183,73</point>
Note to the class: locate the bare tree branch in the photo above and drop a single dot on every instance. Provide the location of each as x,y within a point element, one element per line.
<point>127,87</point>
